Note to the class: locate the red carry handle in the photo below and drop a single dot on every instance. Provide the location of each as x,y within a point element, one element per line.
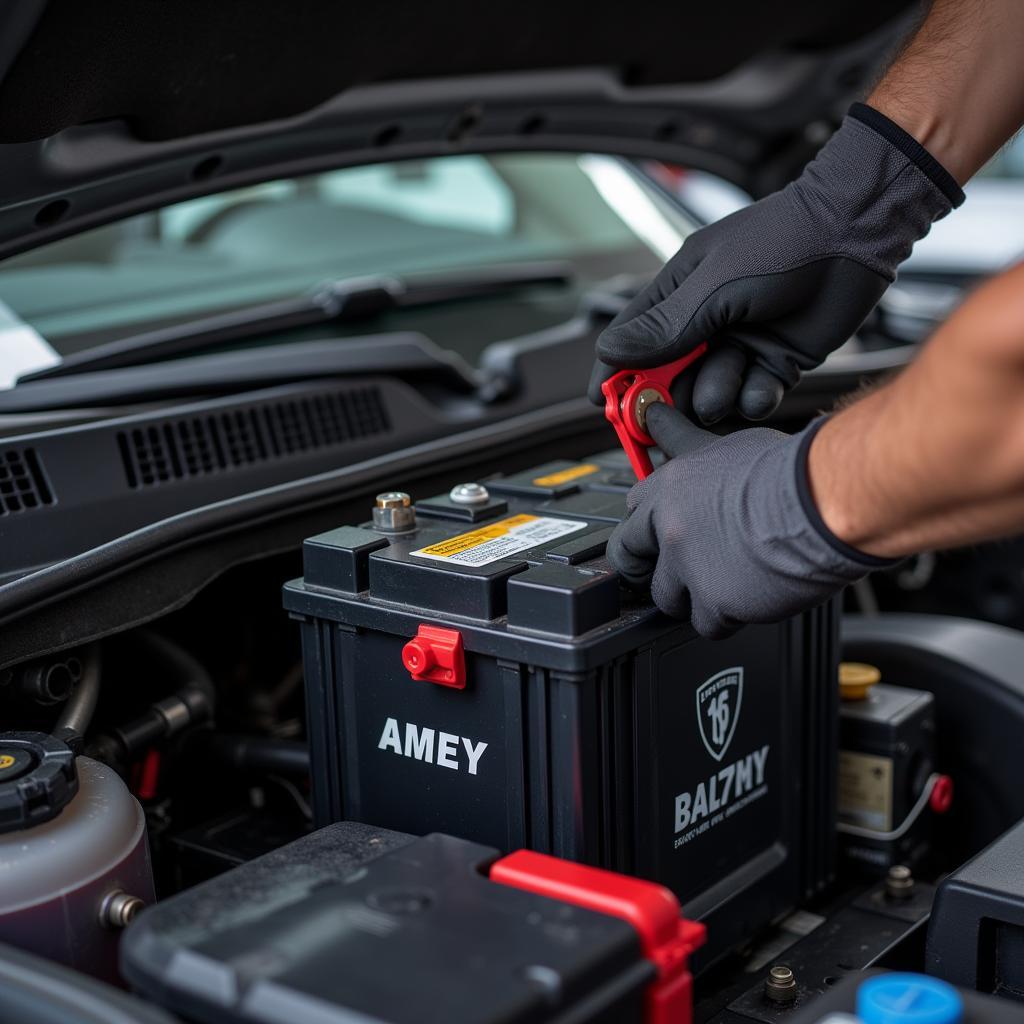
<point>621,393</point>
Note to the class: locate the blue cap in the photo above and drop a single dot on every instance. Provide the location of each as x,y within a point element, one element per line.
<point>908,999</point>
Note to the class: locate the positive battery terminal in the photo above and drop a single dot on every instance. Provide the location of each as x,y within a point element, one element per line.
<point>393,512</point>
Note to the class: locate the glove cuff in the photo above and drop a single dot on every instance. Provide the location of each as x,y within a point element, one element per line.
<point>810,509</point>
<point>911,149</point>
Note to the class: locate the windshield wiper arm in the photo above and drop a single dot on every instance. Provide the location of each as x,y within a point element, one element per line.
<point>343,301</point>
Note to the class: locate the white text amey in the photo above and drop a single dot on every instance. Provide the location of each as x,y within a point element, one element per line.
<point>441,748</point>
<point>730,783</point>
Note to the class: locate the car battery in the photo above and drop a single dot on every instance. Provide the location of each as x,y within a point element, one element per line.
<point>473,666</point>
<point>888,786</point>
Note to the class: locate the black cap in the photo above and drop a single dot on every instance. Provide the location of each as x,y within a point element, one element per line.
<point>38,778</point>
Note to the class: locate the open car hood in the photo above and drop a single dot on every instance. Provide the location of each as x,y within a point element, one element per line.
<point>109,109</point>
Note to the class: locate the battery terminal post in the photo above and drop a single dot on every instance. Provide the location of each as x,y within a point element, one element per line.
<point>393,512</point>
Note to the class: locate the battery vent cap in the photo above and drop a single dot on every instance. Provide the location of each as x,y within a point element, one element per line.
<point>666,938</point>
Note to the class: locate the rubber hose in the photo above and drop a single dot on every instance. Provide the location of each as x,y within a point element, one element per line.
<point>257,753</point>
<point>78,711</point>
<point>192,687</point>
<point>189,670</point>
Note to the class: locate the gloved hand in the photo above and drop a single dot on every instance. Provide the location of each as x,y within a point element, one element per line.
<point>726,532</point>
<point>778,285</point>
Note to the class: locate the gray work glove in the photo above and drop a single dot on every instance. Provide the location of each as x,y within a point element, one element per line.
<point>726,532</point>
<point>778,285</point>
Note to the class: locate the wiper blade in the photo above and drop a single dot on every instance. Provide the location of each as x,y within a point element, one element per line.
<point>344,301</point>
<point>407,354</point>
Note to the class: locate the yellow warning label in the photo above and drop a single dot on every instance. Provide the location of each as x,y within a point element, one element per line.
<point>6,761</point>
<point>865,790</point>
<point>464,541</point>
<point>499,540</point>
<point>563,476</point>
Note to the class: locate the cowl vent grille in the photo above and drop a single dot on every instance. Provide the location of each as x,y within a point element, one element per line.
<point>196,446</point>
<point>23,484</point>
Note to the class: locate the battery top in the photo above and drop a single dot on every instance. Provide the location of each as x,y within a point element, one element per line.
<point>526,556</point>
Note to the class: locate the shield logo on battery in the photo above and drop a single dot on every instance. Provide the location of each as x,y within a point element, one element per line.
<point>718,709</point>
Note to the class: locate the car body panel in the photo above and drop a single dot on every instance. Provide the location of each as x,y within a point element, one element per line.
<point>191,101</point>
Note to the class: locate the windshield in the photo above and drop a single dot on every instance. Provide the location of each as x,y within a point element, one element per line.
<point>280,238</point>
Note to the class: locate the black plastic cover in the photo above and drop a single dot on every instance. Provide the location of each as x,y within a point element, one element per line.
<point>340,559</point>
<point>559,599</point>
<point>355,923</point>
<point>976,933</point>
<point>38,778</point>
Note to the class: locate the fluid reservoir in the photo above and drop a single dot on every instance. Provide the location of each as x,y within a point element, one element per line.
<point>74,860</point>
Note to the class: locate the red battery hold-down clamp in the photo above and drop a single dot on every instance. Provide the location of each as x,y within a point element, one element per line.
<point>628,395</point>
<point>667,939</point>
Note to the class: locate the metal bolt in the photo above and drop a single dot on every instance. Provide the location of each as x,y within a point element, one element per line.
<point>118,908</point>
<point>646,398</point>
<point>469,494</point>
<point>899,882</point>
<point>393,512</point>
<point>393,499</point>
<point>780,985</point>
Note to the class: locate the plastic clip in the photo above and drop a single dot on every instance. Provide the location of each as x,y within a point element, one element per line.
<point>435,655</point>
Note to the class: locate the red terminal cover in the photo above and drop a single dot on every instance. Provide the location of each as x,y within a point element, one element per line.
<point>621,391</point>
<point>666,938</point>
<point>435,655</point>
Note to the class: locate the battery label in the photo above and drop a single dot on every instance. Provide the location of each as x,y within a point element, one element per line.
<point>563,476</point>
<point>499,540</point>
<point>721,796</point>
<point>865,790</point>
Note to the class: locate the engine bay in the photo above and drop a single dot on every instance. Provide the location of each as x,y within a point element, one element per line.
<point>347,678</point>
<point>243,817</point>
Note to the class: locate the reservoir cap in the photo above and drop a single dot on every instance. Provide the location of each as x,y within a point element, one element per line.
<point>38,778</point>
<point>14,762</point>
<point>908,999</point>
<point>856,679</point>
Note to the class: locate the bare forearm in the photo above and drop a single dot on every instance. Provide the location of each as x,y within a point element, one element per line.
<point>957,87</point>
<point>936,457</point>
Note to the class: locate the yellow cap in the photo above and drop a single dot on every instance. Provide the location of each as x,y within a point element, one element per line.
<point>856,679</point>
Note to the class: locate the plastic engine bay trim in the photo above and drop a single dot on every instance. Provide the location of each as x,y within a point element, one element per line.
<point>84,597</point>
